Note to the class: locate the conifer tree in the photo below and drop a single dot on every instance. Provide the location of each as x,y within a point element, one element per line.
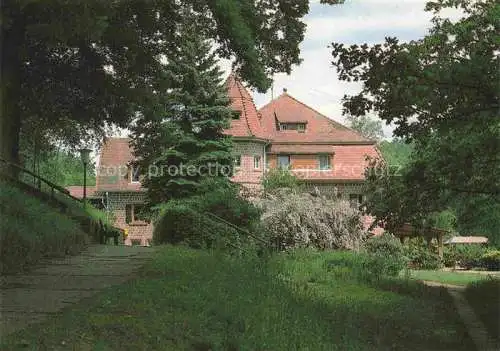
<point>183,144</point>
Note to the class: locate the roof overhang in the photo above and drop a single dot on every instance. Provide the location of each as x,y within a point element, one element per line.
<point>332,143</point>
<point>332,181</point>
<point>252,139</point>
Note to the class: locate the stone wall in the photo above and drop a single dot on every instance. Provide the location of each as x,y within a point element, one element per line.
<point>139,232</point>
<point>247,174</point>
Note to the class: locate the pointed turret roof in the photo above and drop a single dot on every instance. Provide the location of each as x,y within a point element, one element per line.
<point>248,123</point>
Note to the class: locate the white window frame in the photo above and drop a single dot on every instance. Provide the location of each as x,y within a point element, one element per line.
<point>134,171</point>
<point>329,161</point>
<point>237,165</point>
<point>257,162</point>
<point>289,161</point>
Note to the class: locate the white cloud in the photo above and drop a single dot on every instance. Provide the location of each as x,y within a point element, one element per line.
<point>315,81</point>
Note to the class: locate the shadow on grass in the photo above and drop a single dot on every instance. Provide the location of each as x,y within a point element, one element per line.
<point>195,300</point>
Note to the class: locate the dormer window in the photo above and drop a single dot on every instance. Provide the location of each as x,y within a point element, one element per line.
<point>236,114</point>
<point>300,127</point>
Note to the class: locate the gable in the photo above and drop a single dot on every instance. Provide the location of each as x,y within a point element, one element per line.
<point>319,128</point>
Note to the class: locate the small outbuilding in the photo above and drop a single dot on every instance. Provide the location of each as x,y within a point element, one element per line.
<point>467,240</point>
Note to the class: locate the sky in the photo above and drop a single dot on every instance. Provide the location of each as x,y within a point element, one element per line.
<point>315,81</point>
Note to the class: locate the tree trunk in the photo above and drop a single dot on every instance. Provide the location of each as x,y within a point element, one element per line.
<point>10,90</point>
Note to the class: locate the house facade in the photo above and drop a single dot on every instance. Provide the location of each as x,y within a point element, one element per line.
<point>284,133</point>
<point>323,153</point>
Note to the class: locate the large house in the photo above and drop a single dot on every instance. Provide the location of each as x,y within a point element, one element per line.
<point>283,133</point>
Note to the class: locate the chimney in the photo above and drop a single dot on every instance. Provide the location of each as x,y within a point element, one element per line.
<point>285,90</point>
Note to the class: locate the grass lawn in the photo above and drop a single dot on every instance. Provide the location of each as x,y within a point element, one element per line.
<point>195,300</point>
<point>453,278</point>
<point>484,298</point>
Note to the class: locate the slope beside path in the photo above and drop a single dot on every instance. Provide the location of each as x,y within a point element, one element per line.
<point>58,283</point>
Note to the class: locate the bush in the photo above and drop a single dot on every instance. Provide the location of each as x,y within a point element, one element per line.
<point>419,256</point>
<point>466,256</point>
<point>384,258</point>
<point>278,178</point>
<point>186,220</point>
<point>490,260</point>
<point>31,230</point>
<point>223,199</point>
<point>296,220</point>
<point>179,223</point>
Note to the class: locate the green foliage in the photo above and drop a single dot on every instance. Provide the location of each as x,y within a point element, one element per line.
<point>396,153</point>
<point>466,256</point>
<point>179,223</point>
<point>445,220</point>
<point>368,127</point>
<point>185,141</point>
<point>479,215</point>
<point>186,220</point>
<point>60,167</point>
<point>441,92</point>
<point>223,199</point>
<point>384,258</point>
<point>31,230</point>
<point>420,256</point>
<point>491,260</point>
<point>279,178</point>
<point>68,89</point>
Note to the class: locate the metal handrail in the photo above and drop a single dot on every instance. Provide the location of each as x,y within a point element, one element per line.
<point>39,181</point>
<point>236,227</point>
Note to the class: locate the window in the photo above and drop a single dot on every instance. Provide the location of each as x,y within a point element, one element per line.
<point>137,212</point>
<point>236,114</point>
<point>324,162</point>
<point>237,161</point>
<point>355,200</point>
<point>301,127</point>
<point>133,214</point>
<point>284,161</point>
<point>134,174</point>
<point>256,162</point>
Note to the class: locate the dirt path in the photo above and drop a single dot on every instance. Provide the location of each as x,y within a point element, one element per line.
<point>476,329</point>
<point>59,283</point>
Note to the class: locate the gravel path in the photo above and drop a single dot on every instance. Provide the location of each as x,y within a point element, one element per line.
<point>476,329</point>
<point>58,283</point>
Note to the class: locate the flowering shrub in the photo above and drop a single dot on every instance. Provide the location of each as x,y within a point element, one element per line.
<point>292,219</point>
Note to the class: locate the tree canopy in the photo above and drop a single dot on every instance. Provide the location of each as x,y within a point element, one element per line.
<point>183,143</point>
<point>69,67</point>
<point>441,92</point>
<point>368,127</point>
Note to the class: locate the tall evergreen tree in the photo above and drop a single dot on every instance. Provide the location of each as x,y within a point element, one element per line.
<point>183,144</point>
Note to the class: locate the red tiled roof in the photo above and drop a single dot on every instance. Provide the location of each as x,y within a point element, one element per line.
<point>349,163</point>
<point>248,125</point>
<point>77,191</point>
<point>115,157</point>
<point>319,127</point>
<point>300,149</point>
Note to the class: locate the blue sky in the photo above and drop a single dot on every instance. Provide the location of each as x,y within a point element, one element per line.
<point>315,81</point>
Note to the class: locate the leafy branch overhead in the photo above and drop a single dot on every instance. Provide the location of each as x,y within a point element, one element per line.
<point>79,65</point>
<point>440,91</point>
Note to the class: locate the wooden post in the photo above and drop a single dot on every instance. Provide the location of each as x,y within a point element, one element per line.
<point>429,242</point>
<point>440,245</point>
